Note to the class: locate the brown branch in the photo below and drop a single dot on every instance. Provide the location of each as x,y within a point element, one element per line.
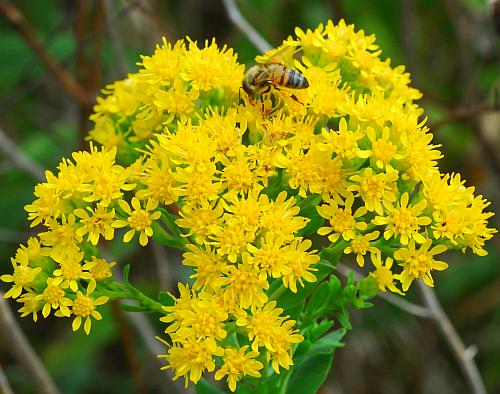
<point>246,28</point>
<point>16,155</point>
<point>115,40</point>
<point>4,383</point>
<point>14,339</point>
<point>463,355</point>
<point>129,353</point>
<point>464,113</point>
<point>15,17</point>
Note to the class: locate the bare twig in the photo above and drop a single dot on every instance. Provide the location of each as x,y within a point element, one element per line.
<point>13,236</point>
<point>400,302</point>
<point>4,383</point>
<point>15,17</point>
<point>19,158</point>
<point>464,113</point>
<point>463,355</point>
<point>147,334</point>
<point>162,265</point>
<point>247,29</point>
<point>16,342</point>
<point>116,41</point>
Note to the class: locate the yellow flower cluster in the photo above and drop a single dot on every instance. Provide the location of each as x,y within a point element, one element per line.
<point>237,176</point>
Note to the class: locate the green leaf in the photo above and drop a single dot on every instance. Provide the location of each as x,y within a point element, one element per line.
<point>203,387</point>
<point>126,271</point>
<point>368,287</point>
<point>320,328</point>
<point>328,343</point>
<point>318,299</point>
<point>133,308</point>
<point>335,286</point>
<point>165,298</point>
<point>309,374</point>
<point>289,299</point>
<point>343,318</point>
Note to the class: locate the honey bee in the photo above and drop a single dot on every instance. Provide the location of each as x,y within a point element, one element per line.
<point>260,78</point>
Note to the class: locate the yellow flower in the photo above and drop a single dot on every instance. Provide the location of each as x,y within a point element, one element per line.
<point>191,358</point>
<point>375,189</point>
<point>209,68</point>
<point>83,307</point>
<point>47,206</point>
<point>62,237</point>
<point>97,224</point>
<point>269,256</point>
<point>71,271</point>
<point>300,263</point>
<point>139,219</point>
<point>418,263</point>
<point>230,240</point>
<point>31,305</point>
<point>383,149</point>
<point>54,298</point>
<point>209,267</point>
<point>199,316</point>
<point>198,184</point>
<point>404,220</point>
<point>237,364</point>
<point>344,142</point>
<point>100,269</point>
<point>201,220</point>
<point>283,338</point>
<point>245,286</point>
<point>281,216</point>
<point>383,273</point>
<point>360,245</point>
<point>159,181</point>
<point>341,220</point>
<point>23,277</point>
<point>266,328</point>
<point>238,175</point>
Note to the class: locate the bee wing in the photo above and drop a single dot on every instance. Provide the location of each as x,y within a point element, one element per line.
<point>284,54</point>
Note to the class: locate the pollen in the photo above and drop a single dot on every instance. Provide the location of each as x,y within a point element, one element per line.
<point>139,220</point>
<point>71,270</point>
<point>342,221</point>
<point>83,306</point>
<point>383,150</point>
<point>23,275</point>
<point>360,245</point>
<point>53,294</point>
<point>404,220</point>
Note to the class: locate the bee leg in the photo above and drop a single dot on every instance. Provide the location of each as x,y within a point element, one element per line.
<point>294,97</point>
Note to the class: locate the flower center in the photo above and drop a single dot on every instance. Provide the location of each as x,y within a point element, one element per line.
<point>52,294</point>
<point>71,271</point>
<point>23,275</point>
<point>360,245</point>
<point>83,306</point>
<point>139,220</point>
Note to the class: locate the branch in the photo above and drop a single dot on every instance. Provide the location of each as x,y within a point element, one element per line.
<point>15,17</point>
<point>246,28</point>
<point>19,158</point>
<point>14,339</point>
<point>115,40</point>
<point>4,383</point>
<point>400,302</point>
<point>464,113</point>
<point>463,355</point>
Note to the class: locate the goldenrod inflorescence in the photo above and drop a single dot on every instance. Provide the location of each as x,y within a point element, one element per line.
<point>254,192</point>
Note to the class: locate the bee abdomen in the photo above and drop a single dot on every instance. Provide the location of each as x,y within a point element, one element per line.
<point>296,80</point>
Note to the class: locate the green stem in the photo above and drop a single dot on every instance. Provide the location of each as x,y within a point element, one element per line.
<point>277,293</point>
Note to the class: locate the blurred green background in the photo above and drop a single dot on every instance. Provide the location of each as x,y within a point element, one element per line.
<point>451,48</point>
